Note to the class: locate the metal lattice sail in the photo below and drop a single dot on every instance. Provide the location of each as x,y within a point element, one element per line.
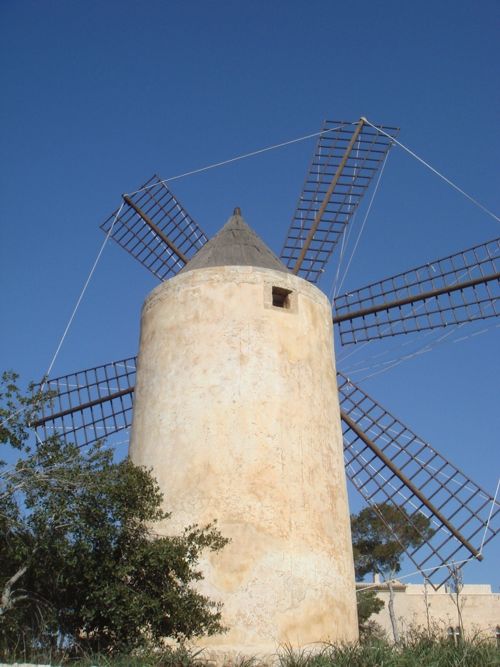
<point>460,288</point>
<point>88,405</point>
<point>155,228</point>
<point>388,463</point>
<point>346,159</point>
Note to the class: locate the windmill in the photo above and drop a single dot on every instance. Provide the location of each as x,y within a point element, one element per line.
<point>384,459</point>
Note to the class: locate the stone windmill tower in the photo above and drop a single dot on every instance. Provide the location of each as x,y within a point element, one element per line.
<point>242,415</point>
<point>236,410</point>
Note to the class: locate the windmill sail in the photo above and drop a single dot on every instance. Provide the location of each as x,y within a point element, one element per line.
<point>460,288</point>
<point>388,463</point>
<point>345,161</point>
<point>156,229</point>
<point>89,405</point>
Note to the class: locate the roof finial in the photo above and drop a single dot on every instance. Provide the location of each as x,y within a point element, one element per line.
<point>237,211</point>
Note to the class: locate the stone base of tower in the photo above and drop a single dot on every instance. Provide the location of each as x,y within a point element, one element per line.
<point>287,598</point>
<point>222,653</point>
<point>276,597</point>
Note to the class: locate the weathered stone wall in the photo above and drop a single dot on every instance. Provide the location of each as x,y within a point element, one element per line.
<point>416,606</point>
<point>236,411</point>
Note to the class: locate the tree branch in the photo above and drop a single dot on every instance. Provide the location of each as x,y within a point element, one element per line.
<point>8,597</point>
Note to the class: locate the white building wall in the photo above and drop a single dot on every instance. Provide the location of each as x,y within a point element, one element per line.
<point>418,605</point>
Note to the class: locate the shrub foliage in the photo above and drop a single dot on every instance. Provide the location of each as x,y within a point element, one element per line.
<point>80,566</point>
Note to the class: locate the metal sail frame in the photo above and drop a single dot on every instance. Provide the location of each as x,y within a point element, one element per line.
<point>388,463</point>
<point>346,159</point>
<point>152,226</point>
<point>88,405</point>
<point>462,287</point>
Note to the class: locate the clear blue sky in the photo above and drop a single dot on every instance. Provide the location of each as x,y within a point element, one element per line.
<point>96,96</point>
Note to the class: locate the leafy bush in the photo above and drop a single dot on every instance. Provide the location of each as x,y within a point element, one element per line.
<point>80,568</point>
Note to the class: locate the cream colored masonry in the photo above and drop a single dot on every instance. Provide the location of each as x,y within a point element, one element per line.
<point>417,605</point>
<point>236,411</point>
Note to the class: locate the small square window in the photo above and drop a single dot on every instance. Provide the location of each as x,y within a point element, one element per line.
<point>281,297</point>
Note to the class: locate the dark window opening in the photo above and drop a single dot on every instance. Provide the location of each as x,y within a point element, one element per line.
<point>281,297</point>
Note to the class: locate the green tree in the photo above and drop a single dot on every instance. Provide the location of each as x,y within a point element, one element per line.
<point>380,535</point>
<point>368,604</point>
<point>80,565</point>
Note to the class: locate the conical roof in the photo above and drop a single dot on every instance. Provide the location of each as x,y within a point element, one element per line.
<point>236,244</point>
